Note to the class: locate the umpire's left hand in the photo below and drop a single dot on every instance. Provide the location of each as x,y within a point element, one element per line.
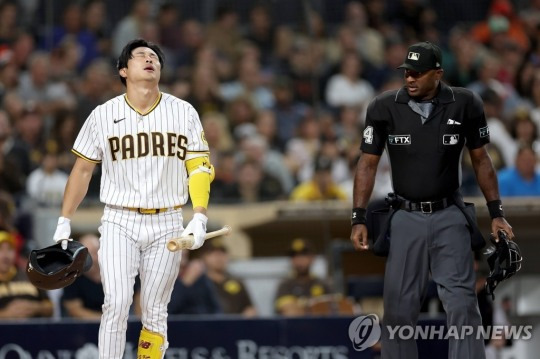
<point>359,237</point>
<point>500,223</point>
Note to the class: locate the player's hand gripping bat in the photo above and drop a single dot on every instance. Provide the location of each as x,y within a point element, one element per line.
<point>177,244</point>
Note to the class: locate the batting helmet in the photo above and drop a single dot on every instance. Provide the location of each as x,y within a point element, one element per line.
<point>53,267</point>
<point>504,260</point>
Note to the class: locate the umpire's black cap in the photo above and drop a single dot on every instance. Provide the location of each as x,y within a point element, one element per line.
<point>423,56</point>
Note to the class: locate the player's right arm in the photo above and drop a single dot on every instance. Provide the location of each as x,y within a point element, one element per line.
<point>77,186</point>
<point>364,180</point>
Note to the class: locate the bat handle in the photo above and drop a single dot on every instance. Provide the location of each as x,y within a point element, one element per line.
<point>177,244</point>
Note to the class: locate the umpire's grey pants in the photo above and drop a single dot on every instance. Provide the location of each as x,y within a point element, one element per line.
<point>422,243</point>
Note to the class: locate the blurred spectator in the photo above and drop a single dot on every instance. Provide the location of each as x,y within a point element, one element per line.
<point>293,293</point>
<point>321,186</point>
<point>232,293</point>
<point>94,88</point>
<point>95,22</point>
<point>248,84</point>
<point>204,94</point>
<point>19,299</point>
<point>502,147</point>
<point>131,26</point>
<point>8,22</point>
<point>36,86</point>
<point>193,291</point>
<point>266,124</point>
<point>84,298</point>
<point>253,184</point>
<point>347,88</point>
<point>73,29</point>
<point>288,112</point>
<point>217,134</point>
<point>168,21</point>
<point>224,33</point>
<point>524,130</point>
<point>301,149</point>
<point>523,179</point>
<point>260,31</point>
<point>29,139</point>
<point>192,40</point>
<point>339,169</point>
<point>11,177</point>
<point>370,43</point>
<point>255,148</point>
<point>488,71</point>
<point>501,26</point>
<point>62,138</point>
<point>45,185</point>
<point>240,111</point>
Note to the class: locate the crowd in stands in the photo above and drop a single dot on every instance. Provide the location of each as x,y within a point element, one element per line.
<point>282,102</point>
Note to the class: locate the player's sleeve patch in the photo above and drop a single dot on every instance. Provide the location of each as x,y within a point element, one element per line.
<point>368,135</point>
<point>203,138</point>
<point>484,131</point>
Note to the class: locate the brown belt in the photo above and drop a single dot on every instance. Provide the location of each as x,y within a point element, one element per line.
<point>147,210</point>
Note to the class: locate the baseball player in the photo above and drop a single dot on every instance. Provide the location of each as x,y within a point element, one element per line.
<point>154,155</point>
<point>424,127</point>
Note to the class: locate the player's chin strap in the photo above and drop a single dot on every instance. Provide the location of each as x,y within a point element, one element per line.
<point>151,345</point>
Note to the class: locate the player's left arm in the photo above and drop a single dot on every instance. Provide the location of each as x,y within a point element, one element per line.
<point>201,173</point>
<point>487,180</point>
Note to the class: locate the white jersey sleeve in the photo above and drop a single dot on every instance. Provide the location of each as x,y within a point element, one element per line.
<point>197,145</point>
<point>87,144</point>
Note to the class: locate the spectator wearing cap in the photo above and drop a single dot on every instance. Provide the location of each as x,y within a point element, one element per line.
<point>18,297</point>
<point>321,186</point>
<point>293,293</point>
<point>231,291</point>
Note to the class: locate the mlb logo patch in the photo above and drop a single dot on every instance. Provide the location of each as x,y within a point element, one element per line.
<point>413,56</point>
<point>484,131</point>
<point>450,139</point>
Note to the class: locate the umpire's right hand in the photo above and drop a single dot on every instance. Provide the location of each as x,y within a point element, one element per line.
<point>359,237</point>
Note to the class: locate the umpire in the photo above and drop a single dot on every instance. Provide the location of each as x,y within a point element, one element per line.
<point>424,126</point>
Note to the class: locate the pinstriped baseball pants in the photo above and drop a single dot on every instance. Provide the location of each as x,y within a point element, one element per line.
<point>131,244</point>
<point>440,244</point>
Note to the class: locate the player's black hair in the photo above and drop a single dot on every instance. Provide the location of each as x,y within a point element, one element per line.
<point>132,45</point>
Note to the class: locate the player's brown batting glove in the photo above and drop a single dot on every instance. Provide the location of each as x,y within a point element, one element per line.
<point>63,231</point>
<point>197,227</point>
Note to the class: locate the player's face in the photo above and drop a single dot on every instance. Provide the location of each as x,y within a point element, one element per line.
<point>143,65</point>
<point>422,85</point>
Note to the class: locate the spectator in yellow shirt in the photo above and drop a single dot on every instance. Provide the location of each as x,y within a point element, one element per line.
<point>321,186</point>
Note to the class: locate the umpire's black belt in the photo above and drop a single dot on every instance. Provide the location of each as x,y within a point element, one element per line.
<point>426,206</point>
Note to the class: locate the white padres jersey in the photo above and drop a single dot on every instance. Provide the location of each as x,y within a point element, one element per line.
<point>143,155</point>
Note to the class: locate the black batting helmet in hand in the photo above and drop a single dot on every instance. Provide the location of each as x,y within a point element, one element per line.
<point>504,260</point>
<point>53,267</point>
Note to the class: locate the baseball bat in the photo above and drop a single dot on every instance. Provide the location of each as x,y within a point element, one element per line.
<point>176,244</point>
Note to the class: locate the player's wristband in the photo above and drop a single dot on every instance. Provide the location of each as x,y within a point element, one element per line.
<point>358,216</point>
<point>495,208</point>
